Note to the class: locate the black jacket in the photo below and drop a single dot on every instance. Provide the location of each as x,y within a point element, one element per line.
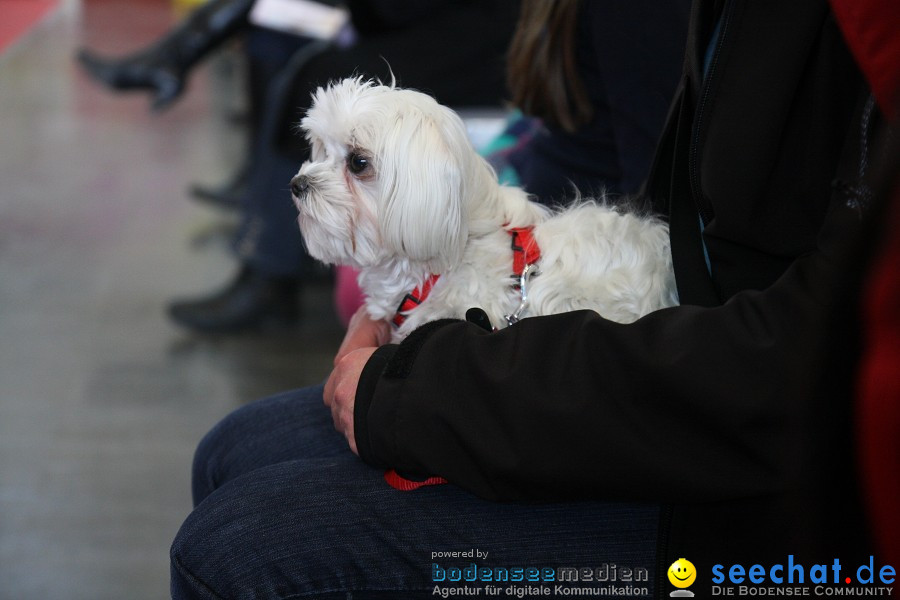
<point>699,407</point>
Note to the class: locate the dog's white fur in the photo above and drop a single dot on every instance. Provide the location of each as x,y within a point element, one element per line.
<point>427,203</point>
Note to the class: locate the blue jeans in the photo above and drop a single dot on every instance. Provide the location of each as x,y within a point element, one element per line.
<point>284,510</point>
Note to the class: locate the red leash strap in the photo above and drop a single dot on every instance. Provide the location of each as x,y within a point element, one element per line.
<point>407,485</point>
<point>413,299</point>
<point>525,252</point>
<point>410,302</point>
<point>525,249</point>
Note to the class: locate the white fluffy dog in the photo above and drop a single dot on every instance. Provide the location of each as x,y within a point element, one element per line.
<point>394,188</point>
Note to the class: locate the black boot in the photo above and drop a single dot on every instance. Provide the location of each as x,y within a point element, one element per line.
<point>251,301</point>
<point>228,195</point>
<point>163,66</point>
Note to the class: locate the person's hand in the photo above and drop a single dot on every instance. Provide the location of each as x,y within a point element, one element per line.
<point>363,332</point>
<point>362,339</point>
<point>340,391</point>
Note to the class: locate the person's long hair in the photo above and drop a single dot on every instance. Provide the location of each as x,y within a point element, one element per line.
<point>541,68</point>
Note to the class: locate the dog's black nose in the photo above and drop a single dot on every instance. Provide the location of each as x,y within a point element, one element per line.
<point>299,185</point>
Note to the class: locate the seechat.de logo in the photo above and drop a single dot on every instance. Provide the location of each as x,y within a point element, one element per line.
<point>682,574</point>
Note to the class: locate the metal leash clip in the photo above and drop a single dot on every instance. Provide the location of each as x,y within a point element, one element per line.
<point>528,272</point>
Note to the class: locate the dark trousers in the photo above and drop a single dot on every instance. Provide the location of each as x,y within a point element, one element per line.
<point>284,510</point>
<point>268,237</point>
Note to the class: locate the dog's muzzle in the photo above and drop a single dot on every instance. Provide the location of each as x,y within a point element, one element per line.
<point>299,185</point>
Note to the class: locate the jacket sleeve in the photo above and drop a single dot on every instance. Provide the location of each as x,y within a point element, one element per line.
<point>686,404</point>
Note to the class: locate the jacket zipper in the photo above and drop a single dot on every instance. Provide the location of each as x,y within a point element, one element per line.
<point>662,549</point>
<point>703,207</point>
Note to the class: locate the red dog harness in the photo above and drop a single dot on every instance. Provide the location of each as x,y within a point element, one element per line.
<point>526,252</point>
<point>413,299</point>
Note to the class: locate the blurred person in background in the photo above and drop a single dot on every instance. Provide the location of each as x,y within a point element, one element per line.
<point>689,433</point>
<point>452,49</point>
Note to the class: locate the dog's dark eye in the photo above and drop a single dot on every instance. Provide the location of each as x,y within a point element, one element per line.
<point>357,163</point>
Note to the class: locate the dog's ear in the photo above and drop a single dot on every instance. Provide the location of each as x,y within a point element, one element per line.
<point>423,186</point>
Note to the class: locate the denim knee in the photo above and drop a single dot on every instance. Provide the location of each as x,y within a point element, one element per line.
<point>288,426</point>
<point>207,459</point>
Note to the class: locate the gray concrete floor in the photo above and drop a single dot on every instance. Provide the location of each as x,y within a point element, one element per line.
<point>102,401</point>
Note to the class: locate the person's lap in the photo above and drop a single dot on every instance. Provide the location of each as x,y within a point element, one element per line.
<point>285,510</point>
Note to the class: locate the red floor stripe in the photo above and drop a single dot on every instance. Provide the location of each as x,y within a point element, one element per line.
<point>18,16</point>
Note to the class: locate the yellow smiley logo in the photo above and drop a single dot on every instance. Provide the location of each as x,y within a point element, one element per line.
<point>682,573</point>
